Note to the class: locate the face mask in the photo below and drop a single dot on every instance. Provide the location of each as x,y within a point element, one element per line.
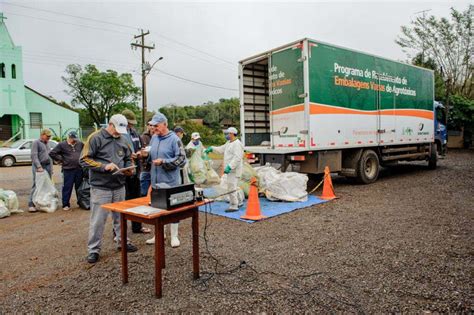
<point>227,137</point>
<point>196,142</point>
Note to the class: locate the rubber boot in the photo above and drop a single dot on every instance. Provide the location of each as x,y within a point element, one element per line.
<point>151,241</point>
<point>174,235</point>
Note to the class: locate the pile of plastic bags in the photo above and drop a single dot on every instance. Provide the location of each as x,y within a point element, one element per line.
<point>201,171</point>
<point>8,203</point>
<point>45,197</point>
<point>276,185</point>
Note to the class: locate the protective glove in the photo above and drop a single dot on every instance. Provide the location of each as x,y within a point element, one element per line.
<point>208,150</point>
<point>227,169</point>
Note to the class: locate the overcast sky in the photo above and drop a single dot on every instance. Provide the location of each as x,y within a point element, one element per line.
<point>199,41</point>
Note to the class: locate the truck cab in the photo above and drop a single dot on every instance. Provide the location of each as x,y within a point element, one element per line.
<point>441,132</point>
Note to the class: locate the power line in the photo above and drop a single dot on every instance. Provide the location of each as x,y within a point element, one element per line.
<point>196,82</point>
<point>69,23</point>
<point>122,25</point>
<point>69,15</point>
<point>124,33</point>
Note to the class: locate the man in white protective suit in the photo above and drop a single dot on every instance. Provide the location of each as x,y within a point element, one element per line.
<point>233,151</point>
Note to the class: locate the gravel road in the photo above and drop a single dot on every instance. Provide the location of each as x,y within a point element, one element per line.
<point>402,244</point>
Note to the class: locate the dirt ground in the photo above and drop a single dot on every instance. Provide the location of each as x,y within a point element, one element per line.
<point>402,244</point>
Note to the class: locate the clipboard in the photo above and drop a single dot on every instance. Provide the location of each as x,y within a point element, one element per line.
<point>121,170</point>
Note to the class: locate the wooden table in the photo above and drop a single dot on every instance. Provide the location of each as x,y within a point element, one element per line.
<point>158,220</point>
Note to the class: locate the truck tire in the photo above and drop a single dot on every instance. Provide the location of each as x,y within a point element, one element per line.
<point>368,167</point>
<point>433,159</point>
<point>8,161</point>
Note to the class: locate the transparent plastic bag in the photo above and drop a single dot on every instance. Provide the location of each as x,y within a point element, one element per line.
<point>4,212</point>
<point>197,167</point>
<point>248,172</point>
<point>10,199</point>
<point>45,196</point>
<point>212,178</point>
<point>288,186</point>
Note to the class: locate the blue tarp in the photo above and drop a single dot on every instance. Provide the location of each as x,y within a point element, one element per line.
<point>269,208</point>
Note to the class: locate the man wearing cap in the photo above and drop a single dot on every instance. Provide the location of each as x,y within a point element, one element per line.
<point>67,153</point>
<point>40,162</point>
<point>167,157</point>
<point>132,183</point>
<point>106,151</point>
<point>233,151</point>
<point>179,131</point>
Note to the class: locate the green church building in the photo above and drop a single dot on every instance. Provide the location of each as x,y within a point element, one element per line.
<point>23,110</point>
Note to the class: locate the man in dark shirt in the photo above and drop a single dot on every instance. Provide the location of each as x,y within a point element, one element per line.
<point>105,152</point>
<point>132,183</point>
<point>67,153</point>
<point>40,162</point>
<point>144,162</point>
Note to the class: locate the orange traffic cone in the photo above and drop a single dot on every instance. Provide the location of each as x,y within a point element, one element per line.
<point>328,189</point>
<point>253,211</point>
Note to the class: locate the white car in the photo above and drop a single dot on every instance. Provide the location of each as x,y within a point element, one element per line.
<point>19,152</point>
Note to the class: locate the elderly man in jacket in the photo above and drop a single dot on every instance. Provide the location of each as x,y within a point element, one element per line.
<point>233,151</point>
<point>67,153</point>
<point>105,152</point>
<point>167,156</point>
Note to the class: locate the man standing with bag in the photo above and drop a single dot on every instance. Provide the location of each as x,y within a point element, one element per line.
<point>233,151</point>
<point>40,162</point>
<point>67,153</point>
<point>105,152</point>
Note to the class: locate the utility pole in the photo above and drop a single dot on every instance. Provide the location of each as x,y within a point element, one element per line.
<point>141,44</point>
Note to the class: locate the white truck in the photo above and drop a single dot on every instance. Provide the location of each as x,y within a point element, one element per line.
<point>311,104</point>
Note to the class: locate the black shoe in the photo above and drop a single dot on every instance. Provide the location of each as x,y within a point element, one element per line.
<point>92,258</point>
<point>130,248</point>
<point>231,210</point>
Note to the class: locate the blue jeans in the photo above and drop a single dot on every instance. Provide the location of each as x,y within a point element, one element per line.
<point>145,180</point>
<point>72,179</point>
<point>48,168</point>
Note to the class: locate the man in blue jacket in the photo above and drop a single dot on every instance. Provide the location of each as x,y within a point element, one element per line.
<point>167,156</point>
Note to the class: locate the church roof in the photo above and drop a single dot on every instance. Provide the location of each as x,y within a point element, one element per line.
<point>63,105</point>
<point>5,38</point>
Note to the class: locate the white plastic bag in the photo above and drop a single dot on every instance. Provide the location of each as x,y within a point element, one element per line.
<point>221,189</point>
<point>10,199</point>
<point>45,196</point>
<point>4,212</point>
<point>288,186</point>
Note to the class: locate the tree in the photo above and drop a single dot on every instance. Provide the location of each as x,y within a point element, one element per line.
<point>449,43</point>
<point>100,92</point>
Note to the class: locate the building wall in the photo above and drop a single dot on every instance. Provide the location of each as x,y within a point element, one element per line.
<point>12,95</point>
<point>54,117</point>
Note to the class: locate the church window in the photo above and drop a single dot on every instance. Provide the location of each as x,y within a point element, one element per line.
<point>13,71</point>
<point>36,120</point>
<point>2,70</point>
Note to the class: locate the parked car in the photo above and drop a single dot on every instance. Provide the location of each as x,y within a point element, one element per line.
<point>19,152</point>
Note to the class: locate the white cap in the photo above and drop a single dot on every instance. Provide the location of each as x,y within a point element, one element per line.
<point>195,136</point>
<point>231,130</point>
<point>120,123</point>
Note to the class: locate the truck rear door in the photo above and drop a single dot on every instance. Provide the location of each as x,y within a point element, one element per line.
<point>289,123</point>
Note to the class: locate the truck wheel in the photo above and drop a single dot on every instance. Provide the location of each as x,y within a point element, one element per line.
<point>433,159</point>
<point>8,161</point>
<point>368,167</point>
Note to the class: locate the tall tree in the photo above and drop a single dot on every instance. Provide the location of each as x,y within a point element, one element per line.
<point>449,43</point>
<point>100,92</point>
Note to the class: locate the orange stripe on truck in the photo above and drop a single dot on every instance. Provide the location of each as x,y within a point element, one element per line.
<point>319,109</point>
